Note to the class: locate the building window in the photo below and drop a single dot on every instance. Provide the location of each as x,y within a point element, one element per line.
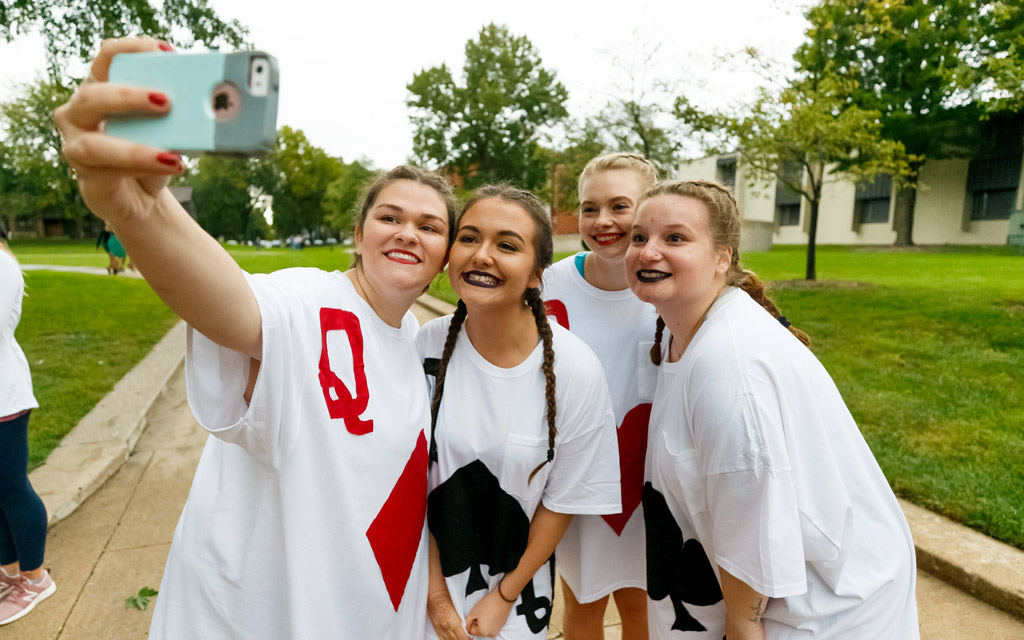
<point>787,200</point>
<point>726,172</point>
<point>994,174</point>
<point>788,214</point>
<point>872,200</point>
<point>993,205</point>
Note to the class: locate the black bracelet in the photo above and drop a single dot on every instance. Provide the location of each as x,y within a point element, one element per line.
<point>502,595</point>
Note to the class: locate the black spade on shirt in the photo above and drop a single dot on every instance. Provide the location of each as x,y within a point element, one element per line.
<point>476,523</point>
<point>676,569</point>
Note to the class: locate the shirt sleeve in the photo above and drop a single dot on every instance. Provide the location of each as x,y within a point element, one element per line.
<point>11,284</point>
<point>751,499</point>
<point>584,477</point>
<point>217,377</point>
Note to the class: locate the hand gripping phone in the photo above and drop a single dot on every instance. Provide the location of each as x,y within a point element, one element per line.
<point>221,103</point>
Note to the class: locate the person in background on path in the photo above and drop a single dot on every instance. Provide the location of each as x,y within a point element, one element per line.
<point>115,250</point>
<point>524,431</point>
<point>753,456</point>
<point>307,513</point>
<point>24,583</point>
<point>589,295</point>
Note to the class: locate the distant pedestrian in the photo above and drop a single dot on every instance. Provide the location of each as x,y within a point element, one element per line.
<point>24,583</point>
<point>761,490</point>
<point>108,241</point>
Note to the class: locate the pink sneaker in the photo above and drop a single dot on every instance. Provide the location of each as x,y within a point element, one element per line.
<point>7,584</point>
<point>24,597</point>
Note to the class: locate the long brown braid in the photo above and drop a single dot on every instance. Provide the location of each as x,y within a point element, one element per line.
<point>724,226</point>
<point>458,318</point>
<point>544,329</point>
<point>543,246</point>
<point>659,329</point>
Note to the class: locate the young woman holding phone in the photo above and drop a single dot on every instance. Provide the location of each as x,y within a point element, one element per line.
<point>306,514</point>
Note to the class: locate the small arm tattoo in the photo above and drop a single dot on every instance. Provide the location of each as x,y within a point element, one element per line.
<point>757,610</point>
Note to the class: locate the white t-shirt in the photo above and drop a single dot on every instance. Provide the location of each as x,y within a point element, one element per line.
<point>15,378</point>
<point>492,432</point>
<point>306,517</point>
<point>600,554</point>
<point>756,456</point>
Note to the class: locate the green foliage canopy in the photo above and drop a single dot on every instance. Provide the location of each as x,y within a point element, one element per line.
<point>487,127</point>
<point>35,181</point>
<point>73,29</point>
<point>296,174</point>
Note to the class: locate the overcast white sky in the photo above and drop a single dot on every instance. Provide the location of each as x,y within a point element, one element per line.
<point>344,65</point>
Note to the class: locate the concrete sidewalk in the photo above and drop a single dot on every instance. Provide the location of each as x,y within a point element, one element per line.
<point>105,546</point>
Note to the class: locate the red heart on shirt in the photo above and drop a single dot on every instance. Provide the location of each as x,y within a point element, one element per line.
<point>398,528</point>
<point>632,434</point>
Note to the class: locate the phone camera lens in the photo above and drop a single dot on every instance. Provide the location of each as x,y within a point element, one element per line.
<point>259,68</point>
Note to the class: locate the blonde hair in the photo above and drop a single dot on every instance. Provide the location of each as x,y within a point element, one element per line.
<point>620,160</point>
<point>724,225</point>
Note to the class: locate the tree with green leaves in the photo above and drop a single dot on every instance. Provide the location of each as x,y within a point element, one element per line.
<point>296,175</point>
<point>801,136</point>
<point>999,47</point>
<point>583,141</point>
<point>638,117</point>
<point>488,126</point>
<point>342,195</point>
<point>35,181</point>
<point>911,62</point>
<point>74,29</point>
<point>221,192</point>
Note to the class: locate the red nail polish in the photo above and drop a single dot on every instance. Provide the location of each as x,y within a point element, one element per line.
<point>165,47</point>
<point>159,99</point>
<point>168,158</point>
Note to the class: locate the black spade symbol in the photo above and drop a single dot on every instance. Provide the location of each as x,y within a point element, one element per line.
<point>676,569</point>
<point>476,523</point>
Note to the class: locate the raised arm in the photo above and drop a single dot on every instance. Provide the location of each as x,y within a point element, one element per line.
<point>125,184</point>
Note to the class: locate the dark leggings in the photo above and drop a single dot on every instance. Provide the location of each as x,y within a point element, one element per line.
<point>22,514</point>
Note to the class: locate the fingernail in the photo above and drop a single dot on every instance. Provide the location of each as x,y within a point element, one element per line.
<point>165,47</point>
<point>159,99</point>
<point>169,158</point>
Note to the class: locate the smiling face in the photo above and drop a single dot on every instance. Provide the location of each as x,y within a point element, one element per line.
<point>403,241</point>
<point>493,260</point>
<point>608,202</point>
<point>672,261</point>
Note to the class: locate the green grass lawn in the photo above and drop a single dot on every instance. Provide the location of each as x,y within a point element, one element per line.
<point>81,334</point>
<point>927,347</point>
<point>929,355</point>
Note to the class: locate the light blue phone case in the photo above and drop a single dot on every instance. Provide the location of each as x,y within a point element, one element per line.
<point>189,80</point>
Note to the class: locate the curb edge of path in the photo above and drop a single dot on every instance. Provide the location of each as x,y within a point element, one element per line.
<point>97,447</point>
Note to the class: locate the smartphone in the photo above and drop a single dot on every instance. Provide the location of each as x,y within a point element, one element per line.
<point>221,103</point>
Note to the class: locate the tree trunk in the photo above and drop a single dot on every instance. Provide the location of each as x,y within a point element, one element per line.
<point>903,211</point>
<point>812,235</point>
<point>903,217</point>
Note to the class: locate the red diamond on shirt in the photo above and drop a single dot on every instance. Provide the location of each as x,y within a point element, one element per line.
<point>397,530</point>
<point>632,434</point>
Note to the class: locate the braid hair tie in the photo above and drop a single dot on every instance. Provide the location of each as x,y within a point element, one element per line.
<point>551,455</point>
<point>784,322</point>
